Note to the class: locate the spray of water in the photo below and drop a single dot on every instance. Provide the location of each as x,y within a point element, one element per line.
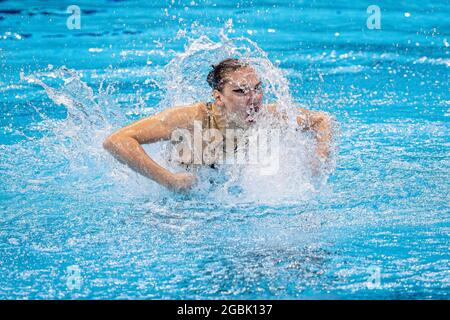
<point>93,114</point>
<point>185,83</point>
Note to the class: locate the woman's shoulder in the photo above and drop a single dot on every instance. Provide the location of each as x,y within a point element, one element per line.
<point>271,107</point>
<point>195,110</point>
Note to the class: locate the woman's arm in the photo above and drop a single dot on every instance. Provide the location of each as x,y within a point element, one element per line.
<point>125,144</point>
<point>321,123</point>
<point>317,121</point>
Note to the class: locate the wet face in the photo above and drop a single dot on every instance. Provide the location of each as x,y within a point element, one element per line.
<point>241,96</point>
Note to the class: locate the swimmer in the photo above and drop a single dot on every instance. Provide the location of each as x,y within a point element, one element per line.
<point>237,94</point>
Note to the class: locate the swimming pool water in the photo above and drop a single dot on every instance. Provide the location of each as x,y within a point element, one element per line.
<point>76,224</point>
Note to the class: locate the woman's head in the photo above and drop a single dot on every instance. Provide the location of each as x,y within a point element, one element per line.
<point>236,89</point>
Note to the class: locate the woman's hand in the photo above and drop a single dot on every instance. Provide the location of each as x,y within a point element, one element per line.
<point>182,181</point>
<point>321,124</point>
<point>126,144</point>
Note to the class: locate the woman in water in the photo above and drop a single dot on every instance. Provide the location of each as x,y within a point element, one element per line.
<point>237,93</point>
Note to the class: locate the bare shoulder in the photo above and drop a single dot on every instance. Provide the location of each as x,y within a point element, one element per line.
<point>314,114</point>
<point>200,108</point>
<point>183,115</point>
<point>305,114</point>
<point>271,107</point>
<point>193,109</point>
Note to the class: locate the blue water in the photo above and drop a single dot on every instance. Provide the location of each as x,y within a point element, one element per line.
<point>77,224</point>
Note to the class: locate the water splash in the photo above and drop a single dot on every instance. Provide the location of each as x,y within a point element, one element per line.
<point>93,114</point>
<point>185,83</point>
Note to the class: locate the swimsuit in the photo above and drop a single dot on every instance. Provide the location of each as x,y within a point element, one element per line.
<point>210,122</point>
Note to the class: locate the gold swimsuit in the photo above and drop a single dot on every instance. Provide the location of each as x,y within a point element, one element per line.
<point>211,122</point>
